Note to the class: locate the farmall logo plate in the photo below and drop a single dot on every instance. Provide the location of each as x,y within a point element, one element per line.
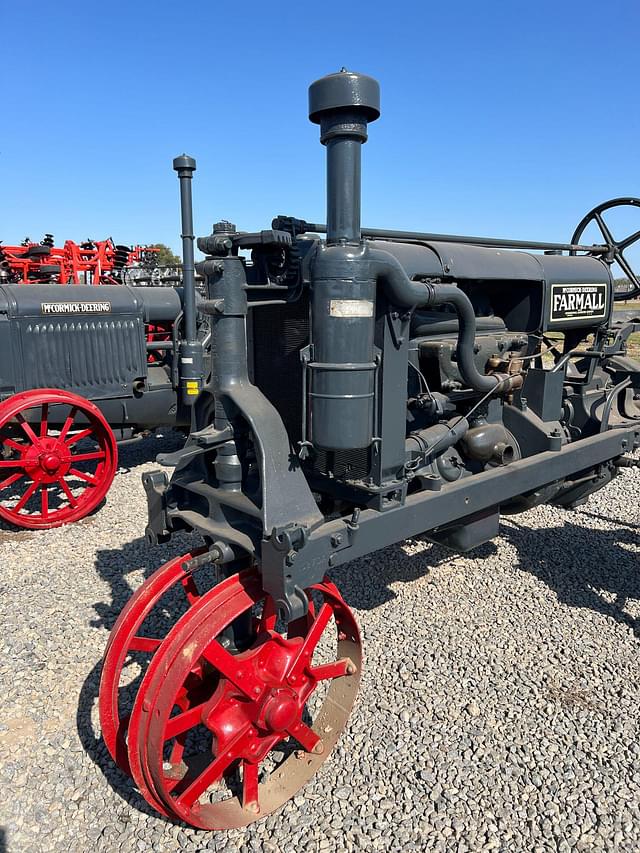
<point>578,302</point>
<point>75,307</point>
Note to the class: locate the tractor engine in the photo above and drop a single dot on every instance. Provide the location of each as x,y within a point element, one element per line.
<point>396,366</point>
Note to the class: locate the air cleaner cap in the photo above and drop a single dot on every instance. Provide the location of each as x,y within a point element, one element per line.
<point>184,162</point>
<point>345,90</point>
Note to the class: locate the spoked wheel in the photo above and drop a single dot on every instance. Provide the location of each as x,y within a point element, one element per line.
<point>616,248</point>
<point>125,642</point>
<point>221,736</point>
<point>58,458</point>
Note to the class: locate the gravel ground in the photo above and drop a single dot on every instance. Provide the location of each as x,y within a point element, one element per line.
<point>498,710</point>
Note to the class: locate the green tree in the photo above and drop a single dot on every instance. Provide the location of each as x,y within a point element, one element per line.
<point>166,258</point>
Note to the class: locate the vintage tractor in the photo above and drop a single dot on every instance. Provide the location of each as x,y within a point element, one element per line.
<point>83,368</point>
<point>365,388</point>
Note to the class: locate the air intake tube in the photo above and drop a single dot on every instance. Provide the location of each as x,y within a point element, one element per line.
<point>411,294</point>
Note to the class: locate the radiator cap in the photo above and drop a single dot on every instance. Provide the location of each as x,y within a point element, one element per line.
<point>345,90</point>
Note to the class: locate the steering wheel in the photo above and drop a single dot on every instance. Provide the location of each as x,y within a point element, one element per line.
<point>615,248</point>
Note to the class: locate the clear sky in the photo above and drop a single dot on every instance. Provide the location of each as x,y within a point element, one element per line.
<point>506,118</point>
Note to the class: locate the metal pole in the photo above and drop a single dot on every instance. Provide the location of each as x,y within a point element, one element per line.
<point>190,356</point>
<point>185,167</point>
<point>488,242</point>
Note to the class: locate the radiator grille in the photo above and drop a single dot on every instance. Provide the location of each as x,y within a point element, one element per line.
<point>94,357</point>
<point>279,333</point>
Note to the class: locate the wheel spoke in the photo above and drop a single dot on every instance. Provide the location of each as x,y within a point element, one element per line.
<point>309,642</point>
<point>305,736</point>
<point>181,723</point>
<point>78,435</point>
<point>268,617</point>
<point>229,667</point>
<point>608,236</point>
<point>44,502</point>
<point>44,417</point>
<point>335,669</point>
<point>14,445</point>
<point>86,477</point>
<point>212,772</point>
<point>144,644</point>
<point>190,589</point>
<point>250,786</point>
<point>26,496</point>
<point>85,457</point>
<point>68,494</point>
<point>13,463</point>
<point>67,424</point>
<point>624,264</point>
<point>13,478</point>
<point>624,244</point>
<point>27,428</point>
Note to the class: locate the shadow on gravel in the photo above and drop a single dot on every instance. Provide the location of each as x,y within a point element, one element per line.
<point>365,583</point>
<point>94,746</point>
<point>114,564</point>
<point>584,567</point>
<point>599,517</point>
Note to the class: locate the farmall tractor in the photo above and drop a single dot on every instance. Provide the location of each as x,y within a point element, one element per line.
<point>85,367</point>
<point>365,388</point>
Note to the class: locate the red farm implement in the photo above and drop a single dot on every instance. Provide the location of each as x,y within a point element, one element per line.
<point>91,262</point>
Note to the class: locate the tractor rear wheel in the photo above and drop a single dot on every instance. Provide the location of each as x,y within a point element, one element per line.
<point>58,458</point>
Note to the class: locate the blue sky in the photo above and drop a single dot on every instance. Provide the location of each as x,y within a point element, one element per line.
<point>504,118</point>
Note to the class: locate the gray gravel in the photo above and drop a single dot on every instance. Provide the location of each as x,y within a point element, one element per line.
<point>498,711</point>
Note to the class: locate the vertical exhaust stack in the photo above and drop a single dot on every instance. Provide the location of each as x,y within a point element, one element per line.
<point>342,367</point>
<point>190,355</point>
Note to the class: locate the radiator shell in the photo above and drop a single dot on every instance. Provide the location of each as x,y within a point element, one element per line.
<point>80,345</point>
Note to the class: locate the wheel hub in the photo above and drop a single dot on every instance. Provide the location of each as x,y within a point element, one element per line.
<point>48,460</point>
<point>279,710</point>
<point>277,706</point>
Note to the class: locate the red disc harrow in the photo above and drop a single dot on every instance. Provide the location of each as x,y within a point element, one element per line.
<point>58,457</point>
<point>220,736</point>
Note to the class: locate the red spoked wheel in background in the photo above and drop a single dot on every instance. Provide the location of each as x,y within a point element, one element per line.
<point>58,458</point>
<point>219,737</point>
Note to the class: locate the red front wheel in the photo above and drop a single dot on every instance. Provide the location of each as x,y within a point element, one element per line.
<point>221,736</point>
<point>58,458</point>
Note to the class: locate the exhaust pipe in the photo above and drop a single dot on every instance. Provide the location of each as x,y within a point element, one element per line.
<point>190,364</point>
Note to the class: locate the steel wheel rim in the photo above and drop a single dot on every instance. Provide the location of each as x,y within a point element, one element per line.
<point>170,668</point>
<point>616,247</point>
<point>41,460</point>
<point>124,639</point>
